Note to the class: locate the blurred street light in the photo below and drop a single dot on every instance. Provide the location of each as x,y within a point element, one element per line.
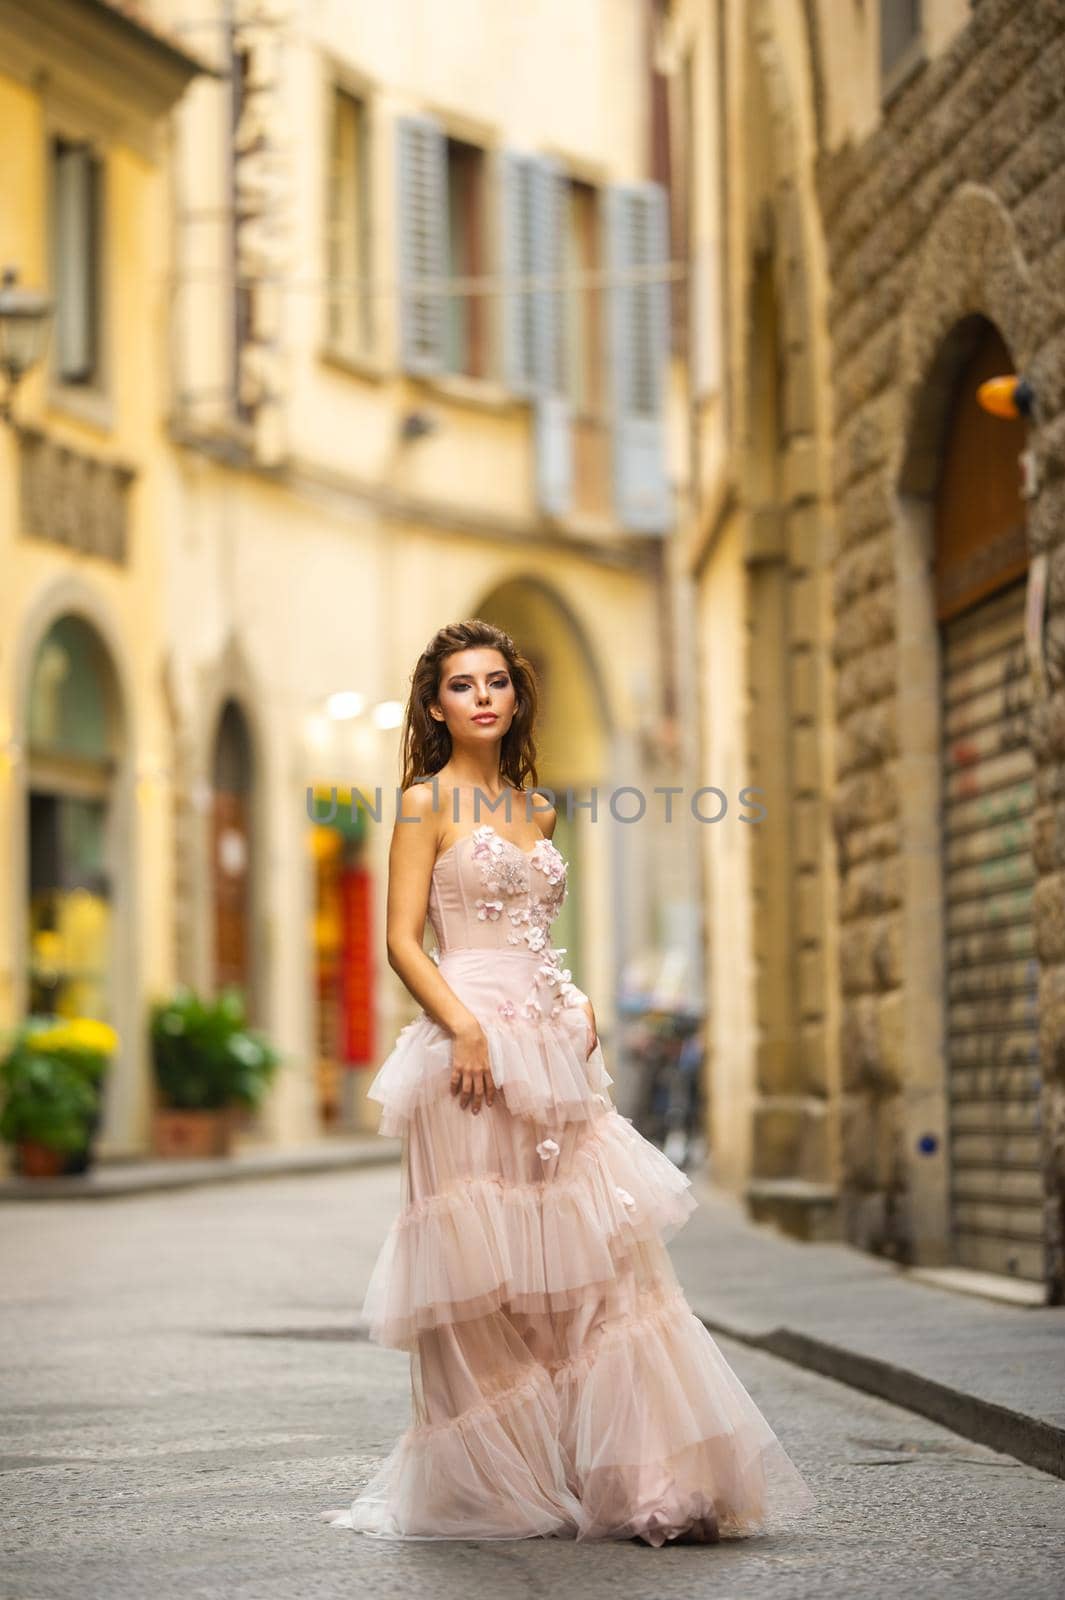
<point>344,704</point>
<point>388,714</point>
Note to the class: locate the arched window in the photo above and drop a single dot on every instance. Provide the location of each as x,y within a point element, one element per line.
<point>73,739</point>
<point>231,851</point>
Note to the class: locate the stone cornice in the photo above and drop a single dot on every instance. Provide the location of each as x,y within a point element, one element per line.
<point>92,50</point>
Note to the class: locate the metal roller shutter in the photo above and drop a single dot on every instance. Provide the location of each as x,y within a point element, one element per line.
<point>991,969</point>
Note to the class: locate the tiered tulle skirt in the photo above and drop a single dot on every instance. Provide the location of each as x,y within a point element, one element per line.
<point>561,1384</point>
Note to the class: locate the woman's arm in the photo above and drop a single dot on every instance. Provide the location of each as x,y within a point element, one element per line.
<point>410,869</point>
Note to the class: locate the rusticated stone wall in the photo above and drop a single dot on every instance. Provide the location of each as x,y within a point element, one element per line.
<point>955,206</point>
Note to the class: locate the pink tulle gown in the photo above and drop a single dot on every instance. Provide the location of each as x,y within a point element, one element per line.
<point>561,1384</point>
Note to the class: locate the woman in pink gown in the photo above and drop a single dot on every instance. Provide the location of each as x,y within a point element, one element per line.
<point>561,1383</point>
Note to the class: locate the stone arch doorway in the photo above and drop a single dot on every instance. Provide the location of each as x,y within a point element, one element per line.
<point>963,648</point>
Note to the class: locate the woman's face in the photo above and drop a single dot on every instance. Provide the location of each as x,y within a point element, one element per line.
<point>476,695</point>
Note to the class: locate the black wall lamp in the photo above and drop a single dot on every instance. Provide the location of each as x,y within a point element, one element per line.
<point>24,319</point>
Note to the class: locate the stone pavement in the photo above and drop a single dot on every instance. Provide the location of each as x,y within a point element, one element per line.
<point>184,1388</point>
<point>992,1372</point>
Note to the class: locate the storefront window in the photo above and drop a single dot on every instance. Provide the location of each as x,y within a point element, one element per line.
<point>70,775</point>
<point>343,955</point>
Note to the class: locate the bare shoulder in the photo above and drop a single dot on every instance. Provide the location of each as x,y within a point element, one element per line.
<point>417,822</point>
<point>545,814</point>
<point>417,801</point>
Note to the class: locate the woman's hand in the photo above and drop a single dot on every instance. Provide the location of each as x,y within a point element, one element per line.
<point>589,1012</point>
<point>471,1075</point>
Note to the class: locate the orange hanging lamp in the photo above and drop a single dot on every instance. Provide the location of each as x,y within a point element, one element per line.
<point>1008,396</point>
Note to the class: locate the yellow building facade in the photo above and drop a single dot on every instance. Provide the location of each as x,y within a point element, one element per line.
<point>85,837</point>
<point>403,393</point>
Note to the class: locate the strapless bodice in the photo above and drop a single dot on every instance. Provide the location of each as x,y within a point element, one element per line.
<point>487,893</point>
<point>491,905</point>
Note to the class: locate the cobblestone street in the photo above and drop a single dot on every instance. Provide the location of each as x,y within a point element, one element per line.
<point>184,1389</point>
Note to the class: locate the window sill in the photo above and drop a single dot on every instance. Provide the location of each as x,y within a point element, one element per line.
<point>225,438</point>
<point>912,61</point>
<point>592,527</point>
<point>354,366</point>
<point>481,394</point>
<point>92,406</point>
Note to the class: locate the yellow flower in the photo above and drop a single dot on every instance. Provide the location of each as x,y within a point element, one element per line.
<point>94,1035</point>
<point>80,1033</point>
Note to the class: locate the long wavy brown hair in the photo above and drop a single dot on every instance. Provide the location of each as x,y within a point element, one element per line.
<point>425,744</point>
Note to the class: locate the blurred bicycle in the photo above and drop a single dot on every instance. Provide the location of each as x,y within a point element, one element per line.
<point>663,1046</point>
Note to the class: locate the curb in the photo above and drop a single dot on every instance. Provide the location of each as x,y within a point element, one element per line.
<point>1036,1443</point>
<point>119,1182</point>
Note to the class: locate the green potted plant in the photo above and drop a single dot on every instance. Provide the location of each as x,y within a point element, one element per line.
<point>207,1064</point>
<point>53,1078</point>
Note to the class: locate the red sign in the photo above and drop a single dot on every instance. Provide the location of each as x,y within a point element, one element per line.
<point>356,968</point>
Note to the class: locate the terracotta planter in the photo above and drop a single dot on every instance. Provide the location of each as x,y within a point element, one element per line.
<point>40,1160</point>
<point>191,1135</point>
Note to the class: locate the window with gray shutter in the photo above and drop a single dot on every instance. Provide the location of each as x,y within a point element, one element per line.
<point>423,243</point>
<point>533,193</point>
<point>638,330</point>
<point>548,264</point>
<point>77,235</point>
<point>518,306</point>
<point>554,410</point>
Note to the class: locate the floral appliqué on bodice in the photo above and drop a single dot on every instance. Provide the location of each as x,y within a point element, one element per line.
<point>504,869</point>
